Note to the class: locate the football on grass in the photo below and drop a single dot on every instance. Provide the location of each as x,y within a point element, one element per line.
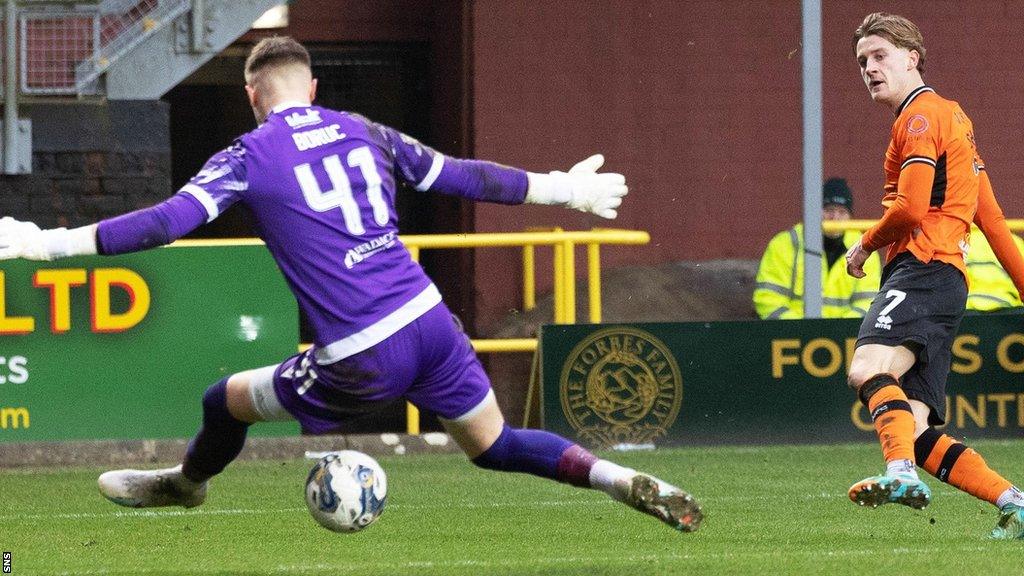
<point>346,491</point>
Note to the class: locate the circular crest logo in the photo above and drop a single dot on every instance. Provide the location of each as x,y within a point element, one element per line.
<point>917,124</point>
<point>621,385</point>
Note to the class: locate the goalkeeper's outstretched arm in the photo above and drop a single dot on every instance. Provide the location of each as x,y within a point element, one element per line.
<point>157,225</point>
<point>582,187</point>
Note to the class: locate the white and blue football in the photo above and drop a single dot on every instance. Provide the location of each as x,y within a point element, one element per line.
<point>346,491</point>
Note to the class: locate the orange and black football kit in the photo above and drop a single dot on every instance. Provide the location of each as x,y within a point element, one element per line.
<point>935,187</point>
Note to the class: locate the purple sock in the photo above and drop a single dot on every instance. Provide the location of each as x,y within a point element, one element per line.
<point>539,453</point>
<point>219,440</point>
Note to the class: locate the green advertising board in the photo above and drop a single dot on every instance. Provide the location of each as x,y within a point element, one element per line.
<point>123,347</point>
<point>755,382</point>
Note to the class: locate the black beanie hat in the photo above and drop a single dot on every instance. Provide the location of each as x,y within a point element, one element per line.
<point>837,192</point>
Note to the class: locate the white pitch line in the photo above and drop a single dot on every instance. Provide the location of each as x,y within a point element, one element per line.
<point>145,514</point>
<point>390,506</point>
<point>243,511</point>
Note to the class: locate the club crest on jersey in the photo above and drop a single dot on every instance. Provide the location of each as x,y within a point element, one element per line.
<point>621,386</point>
<point>296,120</point>
<point>917,124</point>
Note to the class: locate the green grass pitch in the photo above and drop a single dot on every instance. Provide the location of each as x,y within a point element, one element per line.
<point>770,510</point>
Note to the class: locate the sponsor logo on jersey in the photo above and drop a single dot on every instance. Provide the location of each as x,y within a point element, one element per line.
<point>317,137</point>
<point>296,120</point>
<point>884,322</point>
<point>621,386</point>
<point>368,249</point>
<point>917,124</point>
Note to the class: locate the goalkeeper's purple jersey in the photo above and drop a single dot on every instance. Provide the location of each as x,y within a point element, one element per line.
<point>321,184</point>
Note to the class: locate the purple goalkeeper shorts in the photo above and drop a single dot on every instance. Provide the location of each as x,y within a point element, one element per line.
<point>429,362</point>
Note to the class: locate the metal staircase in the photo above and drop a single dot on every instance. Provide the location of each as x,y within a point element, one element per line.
<point>162,59</point>
<point>123,49</point>
<point>123,25</point>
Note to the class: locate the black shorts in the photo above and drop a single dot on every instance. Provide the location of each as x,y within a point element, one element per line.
<point>919,306</point>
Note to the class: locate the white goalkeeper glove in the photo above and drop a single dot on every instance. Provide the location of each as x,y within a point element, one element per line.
<point>581,188</point>
<point>25,240</point>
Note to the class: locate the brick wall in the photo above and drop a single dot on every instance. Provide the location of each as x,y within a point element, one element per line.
<point>699,104</point>
<point>90,161</point>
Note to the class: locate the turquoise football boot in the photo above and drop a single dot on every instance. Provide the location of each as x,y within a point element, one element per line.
<point>1011,523</point>
<point>878,490</point>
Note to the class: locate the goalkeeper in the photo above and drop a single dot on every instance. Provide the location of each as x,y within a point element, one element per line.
<point>321,185</point>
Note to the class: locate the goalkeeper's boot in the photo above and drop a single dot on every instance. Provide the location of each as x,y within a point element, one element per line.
<point>878,490</point>
<point>1011,523</point>
<point>665,502</point>
<point>151,488</point>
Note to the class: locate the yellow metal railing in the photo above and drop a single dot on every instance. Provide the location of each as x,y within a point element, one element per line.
<point>564,244</point>
<point>564,276</point>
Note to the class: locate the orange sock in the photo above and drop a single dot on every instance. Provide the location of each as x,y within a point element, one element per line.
<point>958,465</point>
<point>892,416</point>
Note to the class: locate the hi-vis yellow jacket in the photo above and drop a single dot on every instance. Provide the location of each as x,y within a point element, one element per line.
<point>779,288</point>
<point>990,286</point>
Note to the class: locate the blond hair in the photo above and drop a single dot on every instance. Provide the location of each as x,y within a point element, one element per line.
<point>898,30</point>
<point>271,53</point>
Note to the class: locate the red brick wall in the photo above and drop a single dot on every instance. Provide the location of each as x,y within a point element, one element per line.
<point>698,103</point>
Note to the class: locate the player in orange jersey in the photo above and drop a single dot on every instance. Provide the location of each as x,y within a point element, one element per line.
<point>935,186</point>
